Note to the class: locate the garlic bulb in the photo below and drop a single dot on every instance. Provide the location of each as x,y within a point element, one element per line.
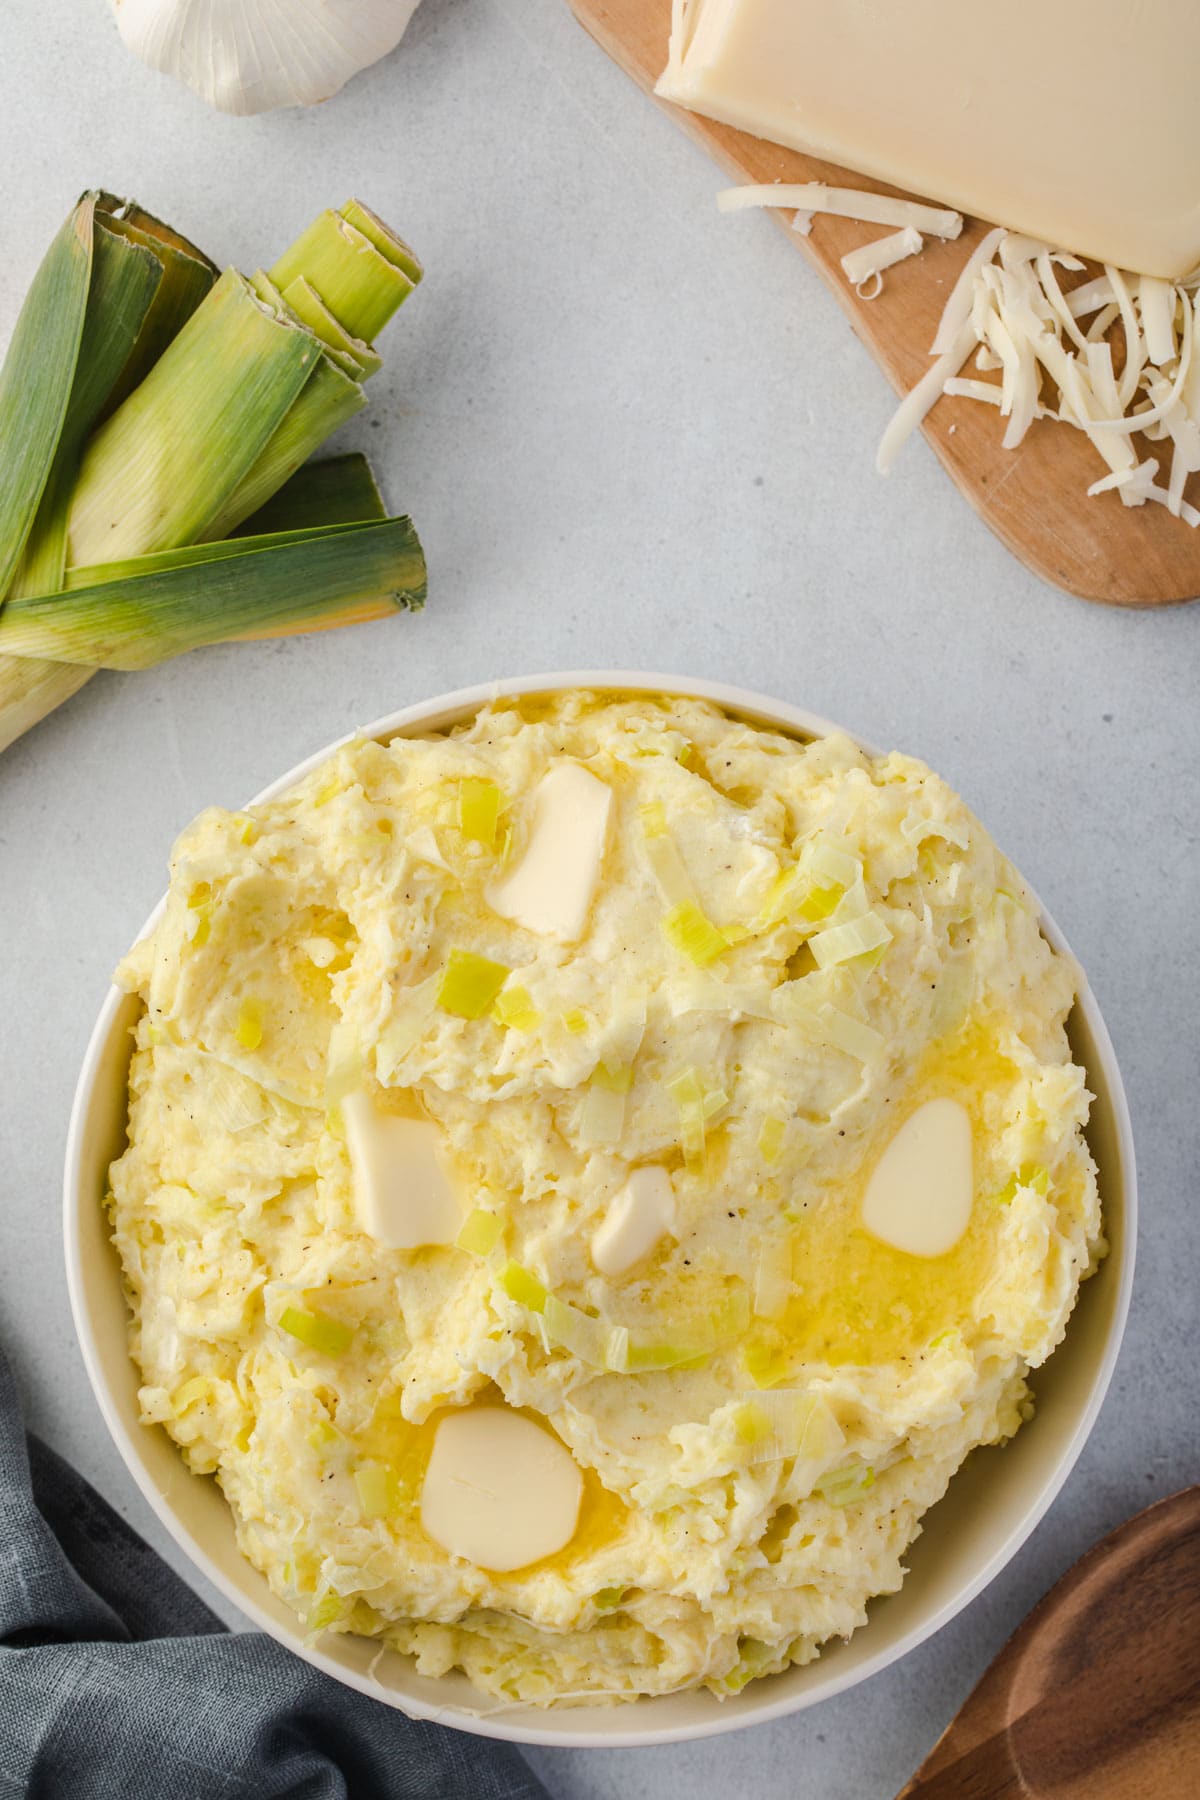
<point>249,56</point>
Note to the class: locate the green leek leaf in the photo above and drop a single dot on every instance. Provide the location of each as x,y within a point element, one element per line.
<point>337,490</point>
<point>159,606</point>
<point>37,378</point>
<point>125,278</point>
<point>160,470</point>
<point>187,276</point>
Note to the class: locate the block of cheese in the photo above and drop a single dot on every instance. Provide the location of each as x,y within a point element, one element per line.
<point>1074,120</point>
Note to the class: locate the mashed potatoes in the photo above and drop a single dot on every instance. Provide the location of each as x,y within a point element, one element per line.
<point>783,953</point>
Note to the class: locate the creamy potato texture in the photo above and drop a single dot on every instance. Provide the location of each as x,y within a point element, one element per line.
<point>788,950</point>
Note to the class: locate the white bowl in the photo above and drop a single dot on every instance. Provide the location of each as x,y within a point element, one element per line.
<point>992,1505</point>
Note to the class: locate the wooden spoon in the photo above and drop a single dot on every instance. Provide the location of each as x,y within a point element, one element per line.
<point>1097,1695</point>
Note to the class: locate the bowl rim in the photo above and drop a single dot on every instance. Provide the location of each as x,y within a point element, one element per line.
<point>432,714</point>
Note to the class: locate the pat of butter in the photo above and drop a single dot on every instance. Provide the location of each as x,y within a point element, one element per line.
<point>551,888</point>
<point>920,1192</point>
<point>1074,122</point>
<point>499,1490</point>
<point>638,1216</point>
<point>404,1193</point>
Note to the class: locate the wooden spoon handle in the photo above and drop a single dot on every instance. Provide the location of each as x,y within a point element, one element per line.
<point>1097,1695</point>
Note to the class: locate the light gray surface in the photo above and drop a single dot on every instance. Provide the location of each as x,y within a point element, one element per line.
<point>631,432</point>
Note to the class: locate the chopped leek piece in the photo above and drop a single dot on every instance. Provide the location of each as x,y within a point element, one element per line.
<point>770,1138</point>
<point>616,1078</point>
<point>317,1330</point>
<point>643,1356</point>
<point>841,943</point>
<point>766,1363</point>
<point>752,1661</point>
<point>787,1423</point>
<point>377,1490</point>
<point>688,1094</point>
<point>523,1287</point>
<point>321,1434</point>
<point>328,789</point>
<point>669,871</point>
<point>852,905</point>
<point>694,934</point>
<point>606,1598</point>
<point>751,1422</point>
<point>481,1232</point>
<point>842,1487</point>
<point>515,1009</point>
<point>576,1331</point>
<point>479,806</point>
<point>914,830</point>
<point>1029,1175</point>
<point>799,891</point>
<point>857,1039</point>
<point>235,1101</point>
<point>249,1028</point>
<point>470,984</point>
<point>825,862</point>
<point>328,1610</point>
<point>778,901</point>
<point>602,1116</point>
<point>199,920</point>
<point>198,1388</point>
<point>413,1009</point>
<point>654,819</point>
<point>576,1021</point>
<point>819,902</point>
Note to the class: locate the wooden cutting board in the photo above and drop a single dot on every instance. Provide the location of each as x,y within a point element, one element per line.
<point>1034,498</point>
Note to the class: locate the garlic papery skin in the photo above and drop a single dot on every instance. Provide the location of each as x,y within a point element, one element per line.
<point>251,56</point>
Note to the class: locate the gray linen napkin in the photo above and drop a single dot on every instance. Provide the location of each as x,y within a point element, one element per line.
<point>117,1683</point>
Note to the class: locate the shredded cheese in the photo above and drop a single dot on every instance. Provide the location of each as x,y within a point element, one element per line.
<point>1010,311</point>
<point>845,203</point>
<point>872,259</point>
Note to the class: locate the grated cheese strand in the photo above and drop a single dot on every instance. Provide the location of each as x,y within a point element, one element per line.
<point>844,203</point>
<point>958,306</point>
<point>884,253</point>
<point>921,399</point>
<point>1009,310</point>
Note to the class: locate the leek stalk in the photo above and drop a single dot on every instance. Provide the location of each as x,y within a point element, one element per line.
<point>149,409</point>
<point>337,490</point>
<point>131,615</point>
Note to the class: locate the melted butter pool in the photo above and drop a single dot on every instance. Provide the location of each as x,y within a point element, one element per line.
<point>405,1449</point>
<point>857,1300</point>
